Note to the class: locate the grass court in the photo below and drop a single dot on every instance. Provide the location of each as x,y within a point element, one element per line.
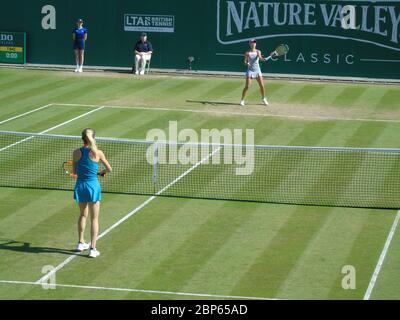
<point>170,248</point>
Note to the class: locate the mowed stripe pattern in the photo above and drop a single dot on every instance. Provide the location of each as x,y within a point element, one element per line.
<point>212,247</point>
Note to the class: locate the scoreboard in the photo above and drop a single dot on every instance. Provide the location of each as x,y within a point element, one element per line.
<point>13,47</point>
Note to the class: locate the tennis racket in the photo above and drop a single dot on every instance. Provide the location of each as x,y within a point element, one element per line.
<point>281,50</point>
<point>68,170</point>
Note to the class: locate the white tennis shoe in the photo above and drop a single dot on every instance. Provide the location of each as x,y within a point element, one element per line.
<point>242,103</point>
<point>94,253</point>
<point>265,102</point>
<point>82,246</point>
<point>142,72</point>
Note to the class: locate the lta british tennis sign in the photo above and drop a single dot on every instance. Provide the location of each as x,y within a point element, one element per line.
<point>149,23</point>
<point>339,33</point>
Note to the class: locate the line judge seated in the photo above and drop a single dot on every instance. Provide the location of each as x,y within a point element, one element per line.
<point>143,52</point>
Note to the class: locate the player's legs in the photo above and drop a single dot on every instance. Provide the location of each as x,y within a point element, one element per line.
<point>245,89</point>
<point>261,85</point>
<point>94,209</point>
<point>260,81</point>
<point>83,208</point>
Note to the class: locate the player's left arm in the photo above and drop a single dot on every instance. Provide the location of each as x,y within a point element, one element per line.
<point>85,38</point>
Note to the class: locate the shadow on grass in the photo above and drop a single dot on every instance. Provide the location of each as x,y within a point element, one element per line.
<point>213,103</point>
<point>17,246</point>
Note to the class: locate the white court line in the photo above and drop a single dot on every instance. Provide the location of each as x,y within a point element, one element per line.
<point>52,128</point>
<point>382,257</point>
<point>127,216</point>
<point>267,115</point>
<point>190,294</point>
<point>25,113</point>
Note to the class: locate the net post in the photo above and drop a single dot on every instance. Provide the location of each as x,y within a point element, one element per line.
<point>155,162</point>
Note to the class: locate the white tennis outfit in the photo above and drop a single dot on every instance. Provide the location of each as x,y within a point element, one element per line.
<point>253,70</point>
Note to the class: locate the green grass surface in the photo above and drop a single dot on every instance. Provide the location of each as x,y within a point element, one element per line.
<point>198,246</point>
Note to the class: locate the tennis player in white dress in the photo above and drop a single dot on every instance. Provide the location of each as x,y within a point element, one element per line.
<point>252,61</point>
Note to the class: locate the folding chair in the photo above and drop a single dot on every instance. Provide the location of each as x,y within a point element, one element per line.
<point>147,66</point>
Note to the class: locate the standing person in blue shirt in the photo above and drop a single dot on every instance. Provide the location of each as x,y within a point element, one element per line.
<point>87,192</point>
<point>79,35</point>
<point>143,52</point>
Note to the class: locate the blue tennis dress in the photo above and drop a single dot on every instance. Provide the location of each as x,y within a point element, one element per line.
<point>87,187</point>
<point>253,70</point>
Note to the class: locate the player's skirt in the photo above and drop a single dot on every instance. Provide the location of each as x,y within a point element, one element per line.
<point>79,45</point>
<point>253,74</point>
<point>87,191</point>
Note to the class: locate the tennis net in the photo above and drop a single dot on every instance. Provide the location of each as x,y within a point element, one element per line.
<point>349,177</point>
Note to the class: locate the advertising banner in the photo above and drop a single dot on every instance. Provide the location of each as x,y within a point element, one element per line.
<point>349,38</point>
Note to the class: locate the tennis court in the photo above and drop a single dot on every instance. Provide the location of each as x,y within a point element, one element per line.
<point>169,247</point>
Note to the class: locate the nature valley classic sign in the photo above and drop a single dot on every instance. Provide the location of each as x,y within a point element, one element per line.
<point>369,22</point>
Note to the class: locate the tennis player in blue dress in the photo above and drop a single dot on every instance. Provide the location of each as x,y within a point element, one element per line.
<point>87,191</point>
<point>252,61</point>
<point>79,35</point>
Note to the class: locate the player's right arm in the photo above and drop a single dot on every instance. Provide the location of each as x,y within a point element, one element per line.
<point>246,59</point>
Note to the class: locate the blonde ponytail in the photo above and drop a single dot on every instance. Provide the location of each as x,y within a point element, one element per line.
<point>88,136</point>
